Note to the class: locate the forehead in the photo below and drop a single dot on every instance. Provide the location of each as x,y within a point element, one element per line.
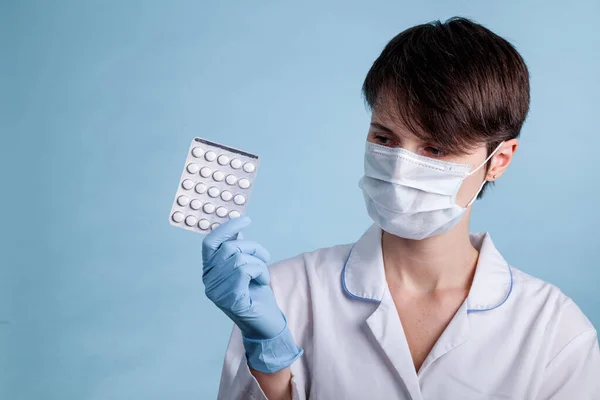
<point>386,112</point>
<point>426,124</point>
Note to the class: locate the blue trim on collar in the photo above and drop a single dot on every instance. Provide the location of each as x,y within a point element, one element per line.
<point>485,246</point>
<point>344,282</point>
<point>470,310</point>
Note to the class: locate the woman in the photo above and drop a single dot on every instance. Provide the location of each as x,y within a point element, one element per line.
<point>417,308</point>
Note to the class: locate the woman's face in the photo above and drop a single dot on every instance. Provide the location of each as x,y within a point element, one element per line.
<point>391,132</point>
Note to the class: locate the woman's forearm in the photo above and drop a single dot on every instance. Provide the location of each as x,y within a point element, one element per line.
<point>276,386</point>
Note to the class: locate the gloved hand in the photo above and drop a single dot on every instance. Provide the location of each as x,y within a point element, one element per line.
<point>236,279</point>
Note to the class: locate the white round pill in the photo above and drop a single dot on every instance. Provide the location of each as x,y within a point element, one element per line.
<point>223,159</point>
<point>203,224</point>
<point>193,168</point>
<point>205,172</point>
<point>201,188</point>
<point>215,226</point>
<point>218,176</point>
<point>231,179</point>
<point>249,167</point>
<point>197,152</point>
<point>221,212</point>
<point>226,195</point>
<point>183,201</point>
<point>187,184</point>
<point>244,183</point>
<point>177,216</point>
<point>213,191</point>
<point>209,208</point>
<point>239,199</point>
<point>234,214</point>
<point>235,163</point>
<point>210,156</point>
<point>190,220</point>
<point>195,204</point>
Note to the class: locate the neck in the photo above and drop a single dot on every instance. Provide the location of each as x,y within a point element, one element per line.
<point>441,262</point>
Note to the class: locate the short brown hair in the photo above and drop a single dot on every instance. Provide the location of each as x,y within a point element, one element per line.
<point>456,84</point>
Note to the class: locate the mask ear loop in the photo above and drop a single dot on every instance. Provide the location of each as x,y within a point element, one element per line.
<point>484,181</point>
<point>476,194</point>
<point>487,159</point>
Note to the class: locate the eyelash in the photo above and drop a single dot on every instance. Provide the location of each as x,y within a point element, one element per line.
<point>380,138</point>
<point>432,151</point>
<point>437,152</point>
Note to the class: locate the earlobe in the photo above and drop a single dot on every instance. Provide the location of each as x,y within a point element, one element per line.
<point>497,168</point>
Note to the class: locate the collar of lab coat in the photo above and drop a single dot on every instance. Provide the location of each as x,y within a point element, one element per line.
<point>363,275</point>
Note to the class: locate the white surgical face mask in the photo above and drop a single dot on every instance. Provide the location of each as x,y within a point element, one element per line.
<point>412,196</point>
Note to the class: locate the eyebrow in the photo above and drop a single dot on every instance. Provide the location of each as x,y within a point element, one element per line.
<point>383,128</point>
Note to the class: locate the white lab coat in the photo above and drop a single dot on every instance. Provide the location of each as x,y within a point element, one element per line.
<point>514,337</point>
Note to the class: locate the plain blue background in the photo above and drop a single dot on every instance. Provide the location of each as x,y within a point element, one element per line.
<point>102,299</point>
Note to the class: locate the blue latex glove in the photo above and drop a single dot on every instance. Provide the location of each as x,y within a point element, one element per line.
<point>236,279</point>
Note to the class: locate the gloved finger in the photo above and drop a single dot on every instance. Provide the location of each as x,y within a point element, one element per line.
<point>229,273</point>
<point>239,236</point>
<point>223,233</point>
<point>253,268</point>
<point>252,248</point>
<point>233,248</point>
<point>222,258</point>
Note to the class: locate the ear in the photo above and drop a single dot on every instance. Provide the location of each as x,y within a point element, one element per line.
<point>501,160</point>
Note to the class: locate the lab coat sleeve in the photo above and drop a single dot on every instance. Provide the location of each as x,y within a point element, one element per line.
<point>290,285</point>
<point>237,382</point>
<point>574,373</point>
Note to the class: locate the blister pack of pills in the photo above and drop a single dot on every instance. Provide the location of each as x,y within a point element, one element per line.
<point>215,186</point>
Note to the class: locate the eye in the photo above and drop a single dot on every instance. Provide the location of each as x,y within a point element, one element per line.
<point>432,151</point>
<point>385,140</point>
<point>382,139</point>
